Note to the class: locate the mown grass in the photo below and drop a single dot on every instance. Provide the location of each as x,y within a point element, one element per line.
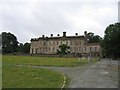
<point>44,61</point>
<point>26,77</point>
<point>14,76</point>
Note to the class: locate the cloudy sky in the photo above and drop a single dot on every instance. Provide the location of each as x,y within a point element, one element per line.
<point>32,18</point>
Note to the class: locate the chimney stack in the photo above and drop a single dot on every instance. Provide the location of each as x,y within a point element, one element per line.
<point>51,35</point>
<point>76,34</point>
<point>64,34</point>
<point>58,35</point>
<point>43,36</point>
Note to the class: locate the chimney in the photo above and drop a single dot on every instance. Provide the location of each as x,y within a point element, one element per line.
<point>51,35</point>
<point>76,34</point>
<point>64,34</point>
<point>58,35</point>
<point>43,36</point>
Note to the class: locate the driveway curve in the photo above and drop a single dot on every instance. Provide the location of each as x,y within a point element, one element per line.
<point>99,75</point>
<point>103,74</point>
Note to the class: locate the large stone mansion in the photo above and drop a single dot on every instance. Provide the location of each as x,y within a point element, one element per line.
<point>77,44</point>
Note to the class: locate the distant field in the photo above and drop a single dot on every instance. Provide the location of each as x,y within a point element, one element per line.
<point>28,77</point>
<point>44,61</point>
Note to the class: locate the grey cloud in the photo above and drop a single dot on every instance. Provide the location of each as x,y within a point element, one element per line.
<point>28,20</point>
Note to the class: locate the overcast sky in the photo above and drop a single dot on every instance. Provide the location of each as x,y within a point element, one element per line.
<point>33,18</point>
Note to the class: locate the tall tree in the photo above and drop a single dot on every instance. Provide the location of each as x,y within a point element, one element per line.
<point>91,38</point>
<point>9,43</point>
<point>111,43</point>
<point>63,50</point>
<point>20,47</point>
<point>26,48</point>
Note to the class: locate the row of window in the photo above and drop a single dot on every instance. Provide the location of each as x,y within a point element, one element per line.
<point>58,43</point>
<point>53,49</point>
<point>90,49</point>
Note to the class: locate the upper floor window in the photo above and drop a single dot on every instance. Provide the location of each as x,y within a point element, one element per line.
<point>79,49</point>
<point>90,48</point>
<point>53,43</point>
<point>53,48</point>
<point>71,42</point>
<point>85,49</point>
<point>57,42</point>
<point>44,43</point>
<point>61,42</point>
<point>80,42</point>
<point>95,48</point>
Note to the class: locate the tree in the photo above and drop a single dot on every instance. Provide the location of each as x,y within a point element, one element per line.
<point>63,50</point>
<point>111,43</point>
<point>9,43</point>
<point>20,48</point>
<point>26,48</point>
<point>91,38</point>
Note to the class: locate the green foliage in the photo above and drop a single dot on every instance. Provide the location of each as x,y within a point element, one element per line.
<point>20,48</point>
<point>26,48</point>
<point>63,50</point>
<point>111,43</point>
<point>9,43</point>
<point>91,38</point>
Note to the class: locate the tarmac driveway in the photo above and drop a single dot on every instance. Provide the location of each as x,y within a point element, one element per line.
<point>99,75</point>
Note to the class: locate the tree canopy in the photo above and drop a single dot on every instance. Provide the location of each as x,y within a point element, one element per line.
<point>91,38</point>
<point>111,43</point>
<point>9,43</point>
<point>63,49</point>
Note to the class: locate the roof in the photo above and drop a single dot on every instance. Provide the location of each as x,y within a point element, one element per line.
<point>50,38</point>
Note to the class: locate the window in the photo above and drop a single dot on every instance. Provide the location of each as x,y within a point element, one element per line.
<point>75,42</point>
<point>53,43</point>
<point>36,50</point>
<point>49,48</point>
<point>71,42</point>
<point>90,48</point>
<point>80,42</point>
<point>49,43</point>
<point>61,42</point>
<point>85,49</point>
<point>74,49</point>
<point>95,48</point>
<point>53,48</point>
<point>44,43</point>
<point>57,43</point>
<point>79,49</point>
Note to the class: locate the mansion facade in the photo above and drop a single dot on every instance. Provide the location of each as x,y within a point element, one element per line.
<point>49,45</point>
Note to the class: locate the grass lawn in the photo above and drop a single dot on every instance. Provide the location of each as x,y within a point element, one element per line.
<point>43,61</point>
<point>28,77</point>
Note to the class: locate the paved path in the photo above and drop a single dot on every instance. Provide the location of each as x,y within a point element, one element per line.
<point>99,75</point>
